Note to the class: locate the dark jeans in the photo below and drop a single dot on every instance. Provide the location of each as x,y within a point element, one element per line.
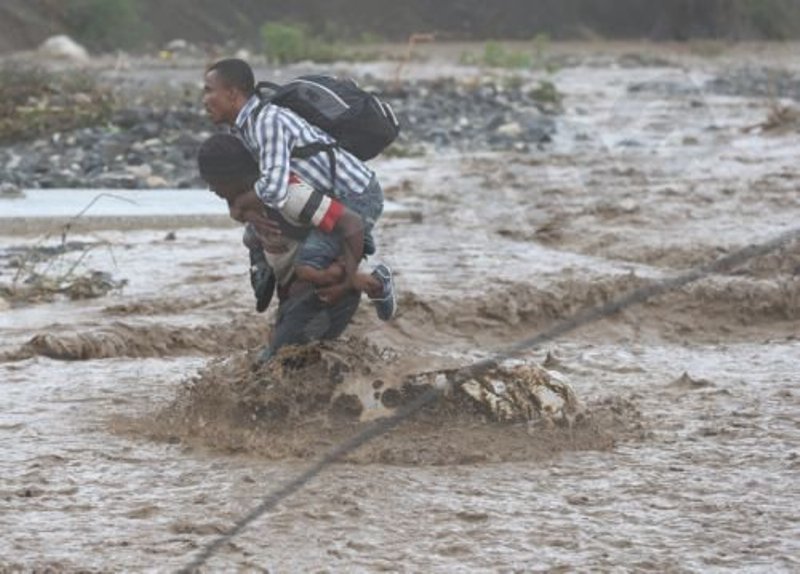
<point>302,318</point>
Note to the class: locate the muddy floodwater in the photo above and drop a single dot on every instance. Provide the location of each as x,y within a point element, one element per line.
<point>691,459</point>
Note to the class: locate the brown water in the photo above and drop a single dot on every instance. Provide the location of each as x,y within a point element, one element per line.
<point>690,454</point>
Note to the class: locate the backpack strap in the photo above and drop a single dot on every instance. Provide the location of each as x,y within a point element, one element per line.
<point>264,100</point>
<point>302,152</point>
<point>269,85</point>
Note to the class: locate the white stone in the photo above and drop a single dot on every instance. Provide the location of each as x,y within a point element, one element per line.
<point>141,171</point>
<point>4,305</point>
<point>14,162</point>
<point>63,47</point>
<point>511,129</point>
<point>82,99</point>
<point>156,182</point>
<point>177,45</point>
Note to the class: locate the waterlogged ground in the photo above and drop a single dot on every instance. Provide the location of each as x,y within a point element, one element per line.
<point>690,459</point>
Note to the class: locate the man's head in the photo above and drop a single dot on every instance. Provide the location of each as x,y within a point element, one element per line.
<point>228,84</point>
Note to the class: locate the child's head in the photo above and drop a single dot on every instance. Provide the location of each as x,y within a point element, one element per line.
<point>227,166</point>
<point>230,171</point>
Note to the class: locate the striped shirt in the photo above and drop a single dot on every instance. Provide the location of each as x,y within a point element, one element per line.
<point>273,134</point>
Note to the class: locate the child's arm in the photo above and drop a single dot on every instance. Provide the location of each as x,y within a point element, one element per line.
<point>308,206</point>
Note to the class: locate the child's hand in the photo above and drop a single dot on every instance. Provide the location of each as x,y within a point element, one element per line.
<point>333,293</point>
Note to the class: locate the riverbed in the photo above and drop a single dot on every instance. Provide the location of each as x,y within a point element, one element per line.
<point>696,450</point>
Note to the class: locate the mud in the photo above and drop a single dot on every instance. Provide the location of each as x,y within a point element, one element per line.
<point>310,399</point>
<point>135,428</point>
<point>123,340</point>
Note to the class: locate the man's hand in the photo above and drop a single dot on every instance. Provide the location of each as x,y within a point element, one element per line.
<point>269,233</point>
<point>262,279</point>
<point>266,226</point>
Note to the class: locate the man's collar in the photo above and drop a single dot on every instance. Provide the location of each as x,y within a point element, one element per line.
<point>245,112</point>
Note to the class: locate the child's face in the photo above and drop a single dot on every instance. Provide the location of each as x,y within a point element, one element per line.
<point>228,190</point>
<point>246,208</point>
<point>243,204</point>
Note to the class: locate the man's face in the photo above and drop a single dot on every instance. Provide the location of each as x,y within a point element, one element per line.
<point>219,100</point>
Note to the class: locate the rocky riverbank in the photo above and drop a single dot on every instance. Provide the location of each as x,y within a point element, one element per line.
<point>152,145</point>
<point>91,131</point>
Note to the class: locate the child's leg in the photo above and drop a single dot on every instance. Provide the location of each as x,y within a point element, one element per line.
<point>317,262</point>
<point>331,275</point>
<point>316,255</point>
<point>369,284</point>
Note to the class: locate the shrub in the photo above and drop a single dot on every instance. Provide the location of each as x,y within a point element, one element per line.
<point>770,18</point>
<point>105,25</point>
<point>285,43</point>
<point>547,93</point>
<point>495,55</point>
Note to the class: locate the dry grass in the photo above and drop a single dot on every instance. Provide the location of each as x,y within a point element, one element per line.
<point>44,271</point>
<point>35,103</point>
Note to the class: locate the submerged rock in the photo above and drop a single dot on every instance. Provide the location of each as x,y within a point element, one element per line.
<point>356,380</point>
<point>309,399</point>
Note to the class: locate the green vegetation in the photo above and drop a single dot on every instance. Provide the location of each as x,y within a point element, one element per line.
<point>285,43</point>
<point>34,102</point>
<point>104,25</point>
<point>547,93</point>
<point>775,19</point>
<point>497,55</point>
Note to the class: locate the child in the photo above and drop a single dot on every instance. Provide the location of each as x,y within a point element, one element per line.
<point>312,307</point>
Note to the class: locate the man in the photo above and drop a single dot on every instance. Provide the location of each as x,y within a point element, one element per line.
<point>307,310</point>
<point>271,133</point>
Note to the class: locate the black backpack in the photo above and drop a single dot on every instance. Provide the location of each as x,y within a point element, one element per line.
<point>358,121</point>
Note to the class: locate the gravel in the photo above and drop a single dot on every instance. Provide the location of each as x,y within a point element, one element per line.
<point>152,146</point>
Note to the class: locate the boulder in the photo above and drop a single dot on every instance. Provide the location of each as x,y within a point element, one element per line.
<point>63,47</point>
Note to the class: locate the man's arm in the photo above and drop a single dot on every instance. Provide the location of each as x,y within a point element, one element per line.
<point>274,154</point>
